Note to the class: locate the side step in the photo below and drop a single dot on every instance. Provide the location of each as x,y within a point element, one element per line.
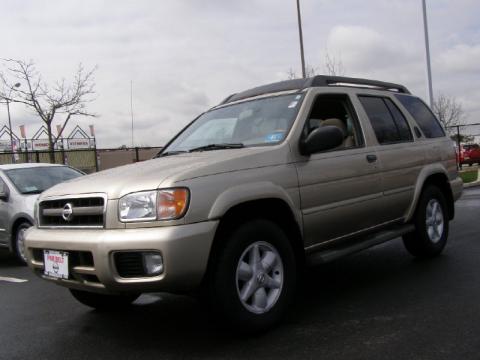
<point>334,253</point>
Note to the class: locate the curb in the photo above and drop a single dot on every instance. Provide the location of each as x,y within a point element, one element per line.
<point>471,184</point>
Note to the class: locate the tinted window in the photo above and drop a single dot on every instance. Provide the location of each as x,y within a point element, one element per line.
<point>422,115</point>
<point>383,122</point>
<point>400,121</point>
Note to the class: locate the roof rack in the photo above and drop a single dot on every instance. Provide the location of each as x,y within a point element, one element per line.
<point>315,81</point>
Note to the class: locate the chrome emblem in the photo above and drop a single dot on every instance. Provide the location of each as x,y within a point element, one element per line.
<point>67,213</point>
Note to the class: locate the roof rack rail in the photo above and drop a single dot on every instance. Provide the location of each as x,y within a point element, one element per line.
<point>318,80</point>
<point>323,80</point>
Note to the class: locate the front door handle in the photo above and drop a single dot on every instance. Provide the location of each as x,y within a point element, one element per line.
<point>371,158</point>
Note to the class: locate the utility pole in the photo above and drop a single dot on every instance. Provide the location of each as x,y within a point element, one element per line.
<point>10,128</point>
<point>427,54</point>
<point>131,106</point>
<point>301,39</point>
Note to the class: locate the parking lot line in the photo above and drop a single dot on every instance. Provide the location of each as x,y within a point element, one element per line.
<point>12,279</point>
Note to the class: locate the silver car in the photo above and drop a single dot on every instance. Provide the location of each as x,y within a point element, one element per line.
<point>20,185</point>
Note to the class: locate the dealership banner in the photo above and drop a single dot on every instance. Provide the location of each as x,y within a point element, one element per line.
<point>39,144</point>
<point>78,143</point>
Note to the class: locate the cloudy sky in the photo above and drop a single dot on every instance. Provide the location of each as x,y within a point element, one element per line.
<point>185,56</point>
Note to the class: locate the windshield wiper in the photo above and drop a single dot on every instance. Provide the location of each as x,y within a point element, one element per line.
<point>32,192</point>
<point>217,147</point>
<point>168,153</point>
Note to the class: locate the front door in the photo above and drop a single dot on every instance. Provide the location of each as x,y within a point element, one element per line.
<point>340,189</point>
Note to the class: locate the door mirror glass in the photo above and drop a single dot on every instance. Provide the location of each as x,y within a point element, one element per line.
<point>321,139</point>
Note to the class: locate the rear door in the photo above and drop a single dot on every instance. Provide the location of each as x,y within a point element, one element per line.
<point>401,157</point>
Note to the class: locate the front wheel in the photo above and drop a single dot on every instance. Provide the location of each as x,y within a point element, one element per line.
<point>254,277</point>
<point>431,225</point>
<point>103,301</point>
<point>19,242</point>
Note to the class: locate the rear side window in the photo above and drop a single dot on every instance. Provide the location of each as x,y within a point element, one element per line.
<point>422,115</point>
<point>389,124</point>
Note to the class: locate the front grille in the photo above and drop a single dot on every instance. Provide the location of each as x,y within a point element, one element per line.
<point>129,264</point>
<point>72,212</point>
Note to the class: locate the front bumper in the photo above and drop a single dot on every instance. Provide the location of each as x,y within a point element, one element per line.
<point>457,188</point>
<point>185,250</point>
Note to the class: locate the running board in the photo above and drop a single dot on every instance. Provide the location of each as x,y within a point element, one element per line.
<point>328,255</point>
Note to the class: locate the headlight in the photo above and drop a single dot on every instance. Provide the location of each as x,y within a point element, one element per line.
<point>166,204</point>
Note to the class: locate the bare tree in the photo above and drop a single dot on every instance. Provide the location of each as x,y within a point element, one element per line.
<point>448,110</point>
<point>334,66</point>
<point>22,83</point>
<point>309,72</point>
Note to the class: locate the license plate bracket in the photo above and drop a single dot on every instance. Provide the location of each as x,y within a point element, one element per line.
<point>56,263</point>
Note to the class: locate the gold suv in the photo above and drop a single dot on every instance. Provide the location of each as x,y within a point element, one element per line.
<point>292,173</point>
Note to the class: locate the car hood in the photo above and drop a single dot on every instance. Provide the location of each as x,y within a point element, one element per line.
<point>165,171</point>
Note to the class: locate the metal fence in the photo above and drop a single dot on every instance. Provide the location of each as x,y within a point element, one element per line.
<point>465,134</point>
<point>87,160</point>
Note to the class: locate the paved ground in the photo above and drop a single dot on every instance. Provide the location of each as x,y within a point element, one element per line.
<point>379,304</point>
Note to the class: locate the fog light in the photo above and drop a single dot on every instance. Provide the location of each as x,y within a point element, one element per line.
<point>153,263</point>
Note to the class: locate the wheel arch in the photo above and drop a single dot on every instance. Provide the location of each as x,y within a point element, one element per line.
<point>433,176</point>
<point>19,219</point>
<point>274,209</point>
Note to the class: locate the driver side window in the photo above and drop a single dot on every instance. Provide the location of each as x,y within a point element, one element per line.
<point>335,110</point>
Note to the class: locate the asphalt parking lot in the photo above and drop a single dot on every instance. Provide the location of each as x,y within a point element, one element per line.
<point>378,304</point>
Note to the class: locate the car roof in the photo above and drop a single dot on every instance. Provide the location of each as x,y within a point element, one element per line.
<point>315,81</point>
<point>27,165</point>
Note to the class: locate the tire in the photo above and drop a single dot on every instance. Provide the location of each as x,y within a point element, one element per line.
<point>19,242</point>
<point>247,294</point>
<point>431,225</point>
<point>104,302</point>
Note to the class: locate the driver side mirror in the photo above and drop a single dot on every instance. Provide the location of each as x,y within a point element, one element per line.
<point>321,139</point>
<point>4,193</point>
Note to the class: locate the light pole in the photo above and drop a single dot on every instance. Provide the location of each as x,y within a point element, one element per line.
<point>301,38</point>
<point>7,101</point>
<point>427,54</point>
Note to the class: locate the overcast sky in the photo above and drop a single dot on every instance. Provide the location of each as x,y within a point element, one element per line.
<point>185,56</point>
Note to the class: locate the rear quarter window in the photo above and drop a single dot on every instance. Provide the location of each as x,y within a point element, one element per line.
<point>423,115</point>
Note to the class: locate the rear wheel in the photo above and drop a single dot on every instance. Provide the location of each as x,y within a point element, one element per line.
<point>254,277</point>
<point>102,301</point>
<point>19,242</point>
<point>431,224</point>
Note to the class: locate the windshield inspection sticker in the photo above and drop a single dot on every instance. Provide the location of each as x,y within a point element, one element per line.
<point>292,104</point>
<point>274,137</point>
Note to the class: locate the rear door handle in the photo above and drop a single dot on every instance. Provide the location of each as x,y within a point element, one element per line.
<point>371,158</point>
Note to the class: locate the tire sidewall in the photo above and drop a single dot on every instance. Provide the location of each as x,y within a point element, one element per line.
<point>224,296</point>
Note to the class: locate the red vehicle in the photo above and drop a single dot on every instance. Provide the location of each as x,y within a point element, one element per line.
<point>469,154</point>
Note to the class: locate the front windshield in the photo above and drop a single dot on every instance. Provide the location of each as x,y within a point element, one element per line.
<point>35,180</point>
<point>258,122</point>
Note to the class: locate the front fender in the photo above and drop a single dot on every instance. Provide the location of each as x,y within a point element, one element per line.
<point>249,192</point>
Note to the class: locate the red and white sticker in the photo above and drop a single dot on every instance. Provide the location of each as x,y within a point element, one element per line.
<point>56,264</point>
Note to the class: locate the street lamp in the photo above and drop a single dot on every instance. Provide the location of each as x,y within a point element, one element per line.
<point>7,100</point>
<point>300,34</point>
